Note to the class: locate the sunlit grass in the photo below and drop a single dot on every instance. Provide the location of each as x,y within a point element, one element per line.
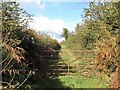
<point>75,82</point>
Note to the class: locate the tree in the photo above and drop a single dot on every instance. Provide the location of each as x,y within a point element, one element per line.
<point>13,57</point>
<point>106,17</point>
<point>107,12</point>
<point>77,28</point>
<point>65,33</point>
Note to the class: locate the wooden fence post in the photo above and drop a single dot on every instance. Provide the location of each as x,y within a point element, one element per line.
<point>68,69</point>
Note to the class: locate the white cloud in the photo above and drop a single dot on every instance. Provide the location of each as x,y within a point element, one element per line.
<point>45,24</point>
<point>55,37</point>
<point>54,26</point>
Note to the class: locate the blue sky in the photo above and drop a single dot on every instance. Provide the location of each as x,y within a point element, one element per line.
<point>52,17</point>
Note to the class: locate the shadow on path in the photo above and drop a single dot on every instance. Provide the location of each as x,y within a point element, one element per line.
<point>37,82</point>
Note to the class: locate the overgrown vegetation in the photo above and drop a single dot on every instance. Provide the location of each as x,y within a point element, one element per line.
<point>99,33</point>
<point>25,53</point>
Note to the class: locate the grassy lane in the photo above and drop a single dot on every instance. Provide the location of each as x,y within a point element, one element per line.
<point>76,81</point>
<point>66,55</point>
